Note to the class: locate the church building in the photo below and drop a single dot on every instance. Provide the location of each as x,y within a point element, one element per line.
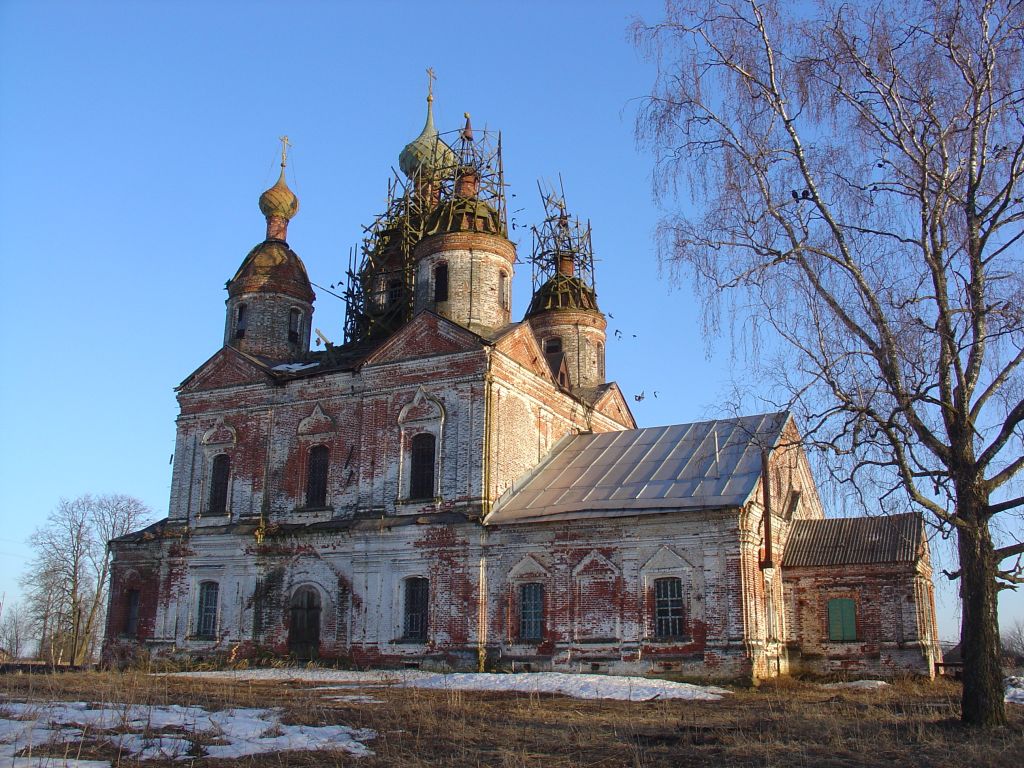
<point>452,488</point>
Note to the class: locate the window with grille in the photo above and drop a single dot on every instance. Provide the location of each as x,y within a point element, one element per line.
<point>441,282</point>
<point>668,607</point>
<point>219,476</point>
<point>206,620</point>
<point>531,611</point>
<point>417,601</point>
<point>131,612</point>
<point>421,466</point>
<point>316,476</point>
<point>842,619</point>
<point>294,316</point>
<point>394,292</point>
<point>240,321</point>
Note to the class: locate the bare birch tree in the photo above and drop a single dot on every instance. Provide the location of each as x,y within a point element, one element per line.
<point>856,170</point>
<point>67,581</point>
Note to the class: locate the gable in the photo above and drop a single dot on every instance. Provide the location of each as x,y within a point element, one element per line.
<point>521,346</point>
<point>426,335</point>
<point>613,405</point>
<point>227,368</point>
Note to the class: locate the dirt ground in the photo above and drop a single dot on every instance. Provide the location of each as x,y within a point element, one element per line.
<point>785,723</point>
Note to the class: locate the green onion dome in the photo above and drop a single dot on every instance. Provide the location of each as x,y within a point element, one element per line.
<point>426,155</point>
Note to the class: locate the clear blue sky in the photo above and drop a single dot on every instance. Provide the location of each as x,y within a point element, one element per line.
<point>137,138</point>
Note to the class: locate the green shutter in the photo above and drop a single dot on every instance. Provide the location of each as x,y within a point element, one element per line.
<point>842,619</point>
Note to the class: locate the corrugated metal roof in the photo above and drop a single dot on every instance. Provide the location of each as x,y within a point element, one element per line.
<point>853,541</point>
<point>709,464</point>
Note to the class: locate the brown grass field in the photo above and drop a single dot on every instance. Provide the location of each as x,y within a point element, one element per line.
<point>784,723</point>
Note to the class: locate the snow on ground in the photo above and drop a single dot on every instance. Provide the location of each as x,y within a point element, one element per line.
<point>859,685</point>
<point>1014,690</point>
<point>136,730</point>
<point>579,686</point>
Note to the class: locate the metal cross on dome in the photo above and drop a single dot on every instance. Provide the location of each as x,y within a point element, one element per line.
<point>431,77</point>
<point>284,149</point>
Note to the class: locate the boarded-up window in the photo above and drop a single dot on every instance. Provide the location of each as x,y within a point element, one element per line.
<point>294,316</point>
<point>503,291</point>
<point>206,620</point>
<point>842,619</point>
<point>316,476</point>
<point>131,612</point>
<point>531,611</point>
<point>417,602</point>
<point>421,466</point>
<point>668,607</point>
<point>219,476</point>
<point>441,282</point>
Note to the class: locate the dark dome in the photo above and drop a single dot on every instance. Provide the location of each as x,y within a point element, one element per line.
<point>272,267</point>
<point>563,292</point>
<point>464,214</point>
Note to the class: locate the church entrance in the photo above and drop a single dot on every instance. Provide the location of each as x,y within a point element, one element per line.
<point>304,629</point>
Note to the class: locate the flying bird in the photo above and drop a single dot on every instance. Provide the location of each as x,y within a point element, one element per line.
<point>639,397</point>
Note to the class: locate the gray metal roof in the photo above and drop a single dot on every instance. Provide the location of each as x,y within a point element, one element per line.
<point>854,541</point>
<point>706,465</point>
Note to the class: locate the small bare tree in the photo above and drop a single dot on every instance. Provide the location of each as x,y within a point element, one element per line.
<point>13,630</point>
<point>67,582</point>
<point>858,170</point>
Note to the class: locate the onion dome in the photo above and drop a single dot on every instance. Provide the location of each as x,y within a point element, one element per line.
<point>427,155</point>
<point>279,200</point>
<point>563,292</point>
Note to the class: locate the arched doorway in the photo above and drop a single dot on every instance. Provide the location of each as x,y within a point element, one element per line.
<point>304,628</point>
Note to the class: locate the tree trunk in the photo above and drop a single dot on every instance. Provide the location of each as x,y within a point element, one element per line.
<point>982,703</point>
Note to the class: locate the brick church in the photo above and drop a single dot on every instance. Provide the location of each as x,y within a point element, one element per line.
<point>453,488</point>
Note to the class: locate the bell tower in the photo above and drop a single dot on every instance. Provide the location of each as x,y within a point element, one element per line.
<point>270,299</point>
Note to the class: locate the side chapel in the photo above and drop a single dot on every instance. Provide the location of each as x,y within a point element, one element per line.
<point>455,489</point>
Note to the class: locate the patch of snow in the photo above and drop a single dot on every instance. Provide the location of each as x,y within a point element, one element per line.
<point>135,730</point>
<point>579,686</point>
<point>859,685</point>
<point>1014,690</point>
<point>355,698</point>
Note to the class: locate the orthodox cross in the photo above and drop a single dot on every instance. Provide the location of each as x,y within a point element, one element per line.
<point>284,149</point>
<point>431,77</point>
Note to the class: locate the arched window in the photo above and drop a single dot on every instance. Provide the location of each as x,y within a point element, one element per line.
<point>316,476</point>
<point>241,320</point>
<point>131,613</point>
<point>503,292</point>
<point>219,476</point>
<point>294,317</point>
<point>417,606</point>
<point>441,282</point>
<point>206,618</point>
<point>668,607</point>
<point>553,345</point>
<point>600,361</point>
<point>421,466</point>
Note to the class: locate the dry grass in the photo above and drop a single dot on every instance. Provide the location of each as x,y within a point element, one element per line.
<point>785,723</point>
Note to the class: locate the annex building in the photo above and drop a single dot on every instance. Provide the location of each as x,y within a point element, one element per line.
<point>456,488</point>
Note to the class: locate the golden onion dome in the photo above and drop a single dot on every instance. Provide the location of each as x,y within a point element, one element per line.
<point>427,154</point>
<point>279,200</point>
